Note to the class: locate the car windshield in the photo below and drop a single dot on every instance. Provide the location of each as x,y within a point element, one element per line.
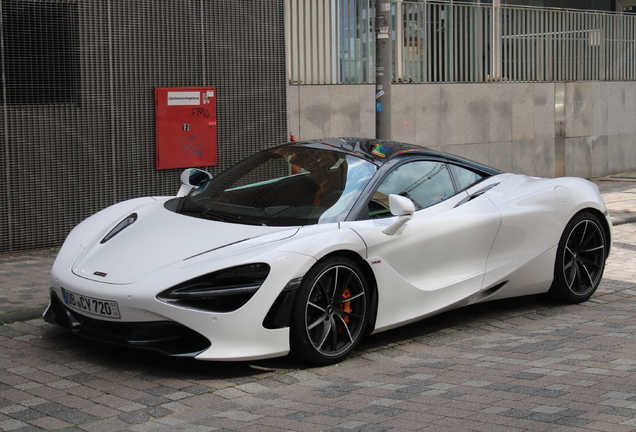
<point>283,186</point>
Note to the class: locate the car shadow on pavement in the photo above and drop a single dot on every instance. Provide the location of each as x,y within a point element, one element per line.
<point>467,322</point>
<point>145,362</point>
<point>449,327</point>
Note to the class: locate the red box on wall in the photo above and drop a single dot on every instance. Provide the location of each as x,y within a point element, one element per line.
<point>185,127</point>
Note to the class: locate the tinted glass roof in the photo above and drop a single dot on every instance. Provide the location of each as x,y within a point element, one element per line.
<point>382,151</point>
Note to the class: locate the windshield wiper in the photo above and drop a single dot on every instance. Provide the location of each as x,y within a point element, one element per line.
<point>180,205</point>
<point>209,213</point>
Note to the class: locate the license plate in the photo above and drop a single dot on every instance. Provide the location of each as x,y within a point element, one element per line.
<point>93,306</point>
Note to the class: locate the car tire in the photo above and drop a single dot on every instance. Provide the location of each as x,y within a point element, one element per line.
<point>330,312</point>
<point>580,259</point>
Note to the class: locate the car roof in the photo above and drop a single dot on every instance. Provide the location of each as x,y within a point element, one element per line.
<point>382,151</point>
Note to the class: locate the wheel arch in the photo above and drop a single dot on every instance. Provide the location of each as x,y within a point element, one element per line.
<point>278,315</point>
<point>607,230</point>
<point>369,277</point>
<point>570,284</point>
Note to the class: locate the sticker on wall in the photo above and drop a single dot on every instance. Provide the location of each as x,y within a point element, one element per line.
<point>184,98</point>
<point>207,96</point>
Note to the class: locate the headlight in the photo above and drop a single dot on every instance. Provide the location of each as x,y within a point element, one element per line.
<point>222,291</point>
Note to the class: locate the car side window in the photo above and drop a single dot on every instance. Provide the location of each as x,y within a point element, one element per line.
<point>423,182</point>
<point>465,177</point>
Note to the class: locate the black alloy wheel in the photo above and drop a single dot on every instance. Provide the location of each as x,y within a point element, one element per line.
<point>580,259</point>
<point>330,312</point>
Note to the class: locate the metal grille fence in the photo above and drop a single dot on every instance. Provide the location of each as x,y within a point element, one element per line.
<point>329,41</point>
<point>555,45</point>
<point>442,41</point>
<point>77,112</point>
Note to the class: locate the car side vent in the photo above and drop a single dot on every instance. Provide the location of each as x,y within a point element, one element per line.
<point>494,289</point>
<point>476,194</point>
<point>483,295</point>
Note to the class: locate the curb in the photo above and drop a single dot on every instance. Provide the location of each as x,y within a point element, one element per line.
<point>628,176</point>
<point>623,221</point>
<point>25,315</point>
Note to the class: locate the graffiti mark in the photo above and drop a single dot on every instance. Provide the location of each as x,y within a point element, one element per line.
<point>192,146</point>
<point>200,112</point>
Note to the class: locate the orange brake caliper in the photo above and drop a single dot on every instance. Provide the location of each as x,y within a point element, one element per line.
<point>346,307</point>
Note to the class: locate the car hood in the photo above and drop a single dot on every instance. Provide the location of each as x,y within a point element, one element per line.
<point>160,239</point>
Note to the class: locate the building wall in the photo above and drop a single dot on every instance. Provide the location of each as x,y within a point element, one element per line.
<point>63,160</point>
<point>510,126</point>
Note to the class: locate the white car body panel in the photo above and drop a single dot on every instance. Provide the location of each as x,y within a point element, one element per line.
<point>414,262</point>
<point>154,244</point>
<point>531,229</point>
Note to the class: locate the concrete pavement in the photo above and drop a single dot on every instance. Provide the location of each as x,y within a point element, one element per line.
<point>513,365</point>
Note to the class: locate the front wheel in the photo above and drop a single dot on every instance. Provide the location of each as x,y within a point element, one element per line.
<point>580,259</point>
<point>330,311</point>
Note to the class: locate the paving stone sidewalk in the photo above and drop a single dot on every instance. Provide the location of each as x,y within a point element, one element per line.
<point>514,365</point>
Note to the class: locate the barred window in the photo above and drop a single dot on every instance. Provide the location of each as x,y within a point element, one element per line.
<point>41,52</point>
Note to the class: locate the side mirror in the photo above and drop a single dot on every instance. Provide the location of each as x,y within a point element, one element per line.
<point>403,208</point>
<point>192,178</point>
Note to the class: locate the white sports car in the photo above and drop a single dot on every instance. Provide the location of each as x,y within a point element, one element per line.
<point>307,246</point>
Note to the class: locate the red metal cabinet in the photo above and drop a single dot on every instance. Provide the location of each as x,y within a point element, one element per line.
<point>185,127</point>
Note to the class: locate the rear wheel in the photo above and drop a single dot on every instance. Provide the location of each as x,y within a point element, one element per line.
<point>580,259</point>
<point>330,311</point>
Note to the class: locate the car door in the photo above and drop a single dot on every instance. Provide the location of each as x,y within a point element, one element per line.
<point>436,259</point>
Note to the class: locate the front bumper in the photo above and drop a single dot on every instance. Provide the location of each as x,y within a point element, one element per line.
<point>166,337</point>
<point>148,323</point>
